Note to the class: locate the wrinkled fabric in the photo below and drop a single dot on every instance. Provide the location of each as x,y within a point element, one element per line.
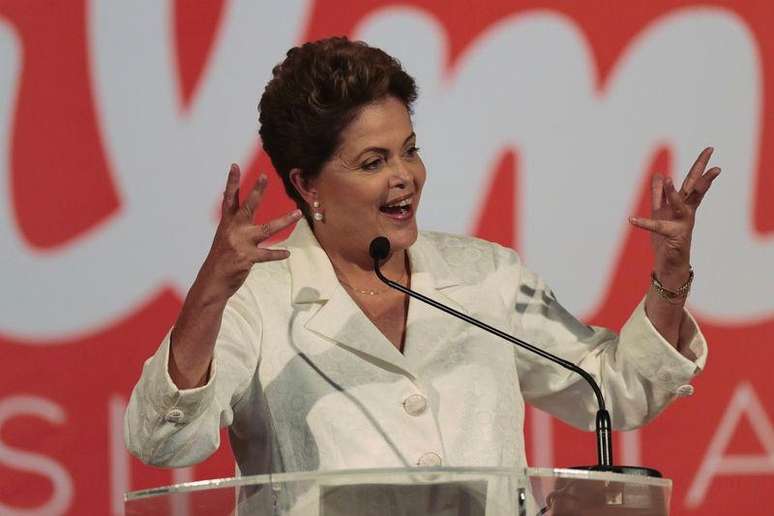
<point>305,381</point>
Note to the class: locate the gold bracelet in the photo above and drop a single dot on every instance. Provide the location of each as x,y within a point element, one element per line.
<point>672,295</point>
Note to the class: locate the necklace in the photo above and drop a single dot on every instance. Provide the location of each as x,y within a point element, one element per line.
<point>368,292</point>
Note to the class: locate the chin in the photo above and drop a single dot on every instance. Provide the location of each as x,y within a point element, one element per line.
<point>403,239</point>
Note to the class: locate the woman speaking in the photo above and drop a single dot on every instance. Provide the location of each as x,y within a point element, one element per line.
<point>313,363</point>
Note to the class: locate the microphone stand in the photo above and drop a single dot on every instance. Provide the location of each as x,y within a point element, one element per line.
<point>380,249</point>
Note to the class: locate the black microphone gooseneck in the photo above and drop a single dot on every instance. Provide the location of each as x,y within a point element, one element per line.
<point>380,249</point>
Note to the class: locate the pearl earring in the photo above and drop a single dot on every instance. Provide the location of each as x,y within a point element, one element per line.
<point>318,216</point>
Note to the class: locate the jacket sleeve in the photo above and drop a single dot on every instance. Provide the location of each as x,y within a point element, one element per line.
<point>639,372</point>
<point>170,427</point>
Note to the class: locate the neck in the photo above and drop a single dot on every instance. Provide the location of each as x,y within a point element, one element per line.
<point>357,266</point>
<point>362,269</point>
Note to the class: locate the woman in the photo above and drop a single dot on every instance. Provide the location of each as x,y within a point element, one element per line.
<point>314,364</point>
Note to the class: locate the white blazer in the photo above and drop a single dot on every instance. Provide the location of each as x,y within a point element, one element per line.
<point>305,381</point>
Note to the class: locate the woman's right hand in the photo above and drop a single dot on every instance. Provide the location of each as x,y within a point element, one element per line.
<point>235,247</point>
<point>233,253</point>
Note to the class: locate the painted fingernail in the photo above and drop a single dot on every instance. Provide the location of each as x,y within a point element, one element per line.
<point>296,214</point>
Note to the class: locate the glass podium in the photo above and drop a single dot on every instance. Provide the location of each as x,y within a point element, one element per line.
<point>412,492</point>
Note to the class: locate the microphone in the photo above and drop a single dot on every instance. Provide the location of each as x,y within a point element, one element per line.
<point>380,249</point>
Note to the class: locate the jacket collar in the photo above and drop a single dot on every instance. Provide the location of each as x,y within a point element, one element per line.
<point>340,320</point>
<point>313,278</point>
<point>311,273</point>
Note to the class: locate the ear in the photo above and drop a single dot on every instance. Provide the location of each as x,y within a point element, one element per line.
<point>306,189</point>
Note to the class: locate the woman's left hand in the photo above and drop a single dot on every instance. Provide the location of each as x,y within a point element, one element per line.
<point>672,220</point>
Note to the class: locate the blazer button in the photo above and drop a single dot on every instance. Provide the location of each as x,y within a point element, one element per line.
<point>429,460</point>
<point>415,404</point>
<point>685,390</point>
<point>174,416</point>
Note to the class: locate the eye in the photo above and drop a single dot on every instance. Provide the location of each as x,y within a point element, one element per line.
<point>374,164</point>
<point>412,151</point>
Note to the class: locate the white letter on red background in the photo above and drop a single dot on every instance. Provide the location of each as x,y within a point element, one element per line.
<point>34,462</point>
<point>744,402</point>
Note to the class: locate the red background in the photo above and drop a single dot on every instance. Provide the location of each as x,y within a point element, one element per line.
<point>62,187</point>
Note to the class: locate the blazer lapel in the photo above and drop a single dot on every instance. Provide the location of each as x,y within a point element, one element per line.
<point>339,319</point>
<point>342,321</point>
<point>428,329</point>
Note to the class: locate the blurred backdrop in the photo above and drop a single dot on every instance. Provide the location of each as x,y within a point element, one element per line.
<point>540,123</point>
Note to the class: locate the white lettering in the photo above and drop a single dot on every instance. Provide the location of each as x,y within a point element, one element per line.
<point>181,502</point>
<point>541,434</point>
<point>36,463</point>
<point>169,164</point>
<point>530,83</point>
<point>744,402</point>
<point>631,449</point>
<point>120,472</point>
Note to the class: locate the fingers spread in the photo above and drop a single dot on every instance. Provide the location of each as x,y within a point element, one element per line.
<point>256,194</point>
<point>702,186</point>
<point>264,231</point>
<point>697,169</point>
<point>231,193</point>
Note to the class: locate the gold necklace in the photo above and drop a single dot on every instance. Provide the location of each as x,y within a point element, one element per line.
<point>367,292</point>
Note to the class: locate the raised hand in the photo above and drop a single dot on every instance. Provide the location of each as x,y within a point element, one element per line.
<point>233,253</point>
<point>235,247</point>
<point>673,218</point>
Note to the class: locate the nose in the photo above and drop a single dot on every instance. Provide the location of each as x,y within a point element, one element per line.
<point>401,175</point>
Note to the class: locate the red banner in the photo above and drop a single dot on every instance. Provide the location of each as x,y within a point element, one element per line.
<point>536,118</point>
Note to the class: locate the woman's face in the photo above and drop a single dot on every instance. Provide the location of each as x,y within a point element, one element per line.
<point>372,185</point>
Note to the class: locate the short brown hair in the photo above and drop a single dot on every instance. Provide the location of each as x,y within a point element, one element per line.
<point>315,93</point>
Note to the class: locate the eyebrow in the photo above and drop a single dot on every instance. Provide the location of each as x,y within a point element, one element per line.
<point>382,150</point>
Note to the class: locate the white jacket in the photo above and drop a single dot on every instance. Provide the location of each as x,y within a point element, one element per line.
<point>305,381</point>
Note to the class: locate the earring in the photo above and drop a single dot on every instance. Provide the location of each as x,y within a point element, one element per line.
<point>318,216</point>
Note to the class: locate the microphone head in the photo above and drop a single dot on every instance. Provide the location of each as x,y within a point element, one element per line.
<point>379,248</point>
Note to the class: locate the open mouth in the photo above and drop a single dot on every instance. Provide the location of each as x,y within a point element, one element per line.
<point>400,210</point>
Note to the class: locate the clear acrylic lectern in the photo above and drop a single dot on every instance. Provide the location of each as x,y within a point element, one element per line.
<point>412,492</point>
